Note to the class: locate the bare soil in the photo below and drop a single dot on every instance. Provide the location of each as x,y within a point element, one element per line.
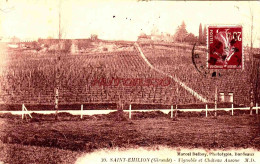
<point>71,136</point>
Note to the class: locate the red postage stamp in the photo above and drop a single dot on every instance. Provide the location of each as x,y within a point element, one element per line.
<point>225,47</point>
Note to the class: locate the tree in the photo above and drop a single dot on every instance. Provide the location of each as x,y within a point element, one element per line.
<point>204,38</point>
<point>57,69</point>
<point>155,31</point>
<point>191,38</point>
<point>251,58</point>
<point>200,34</point>
<point>94,37</point>
<point>181,32</point>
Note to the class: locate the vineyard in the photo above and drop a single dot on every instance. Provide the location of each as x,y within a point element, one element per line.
<point>30,78</point>
<point>178,62</point>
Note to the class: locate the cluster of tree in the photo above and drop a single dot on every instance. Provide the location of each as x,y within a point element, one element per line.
<point>94,37</point>
<point>144,36</point>
<point>182,35</point>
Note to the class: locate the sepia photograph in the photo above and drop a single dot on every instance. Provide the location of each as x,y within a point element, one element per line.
<point>129,81</point>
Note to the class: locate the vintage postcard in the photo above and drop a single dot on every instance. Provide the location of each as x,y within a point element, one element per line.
<point>129,82</point>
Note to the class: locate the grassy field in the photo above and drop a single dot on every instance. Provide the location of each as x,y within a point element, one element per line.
<point>49,141</point>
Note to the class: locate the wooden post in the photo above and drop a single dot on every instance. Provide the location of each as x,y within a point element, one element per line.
<point>206,110</point>
<point>216,97</point>
<point>232,109</point>
<point>81,114</point>
<point>56,103</point>
<point>256,111</point>
<point>130,108</point>
<point>176,111</point>
<point>171,111</point>
<point>251,100</point>
<point>25,109</point>
<point>22,111</point>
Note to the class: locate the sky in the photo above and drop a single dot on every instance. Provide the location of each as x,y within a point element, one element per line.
<point>122,20</point>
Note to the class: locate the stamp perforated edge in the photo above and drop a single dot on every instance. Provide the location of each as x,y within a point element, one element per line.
<point>225,25</point>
